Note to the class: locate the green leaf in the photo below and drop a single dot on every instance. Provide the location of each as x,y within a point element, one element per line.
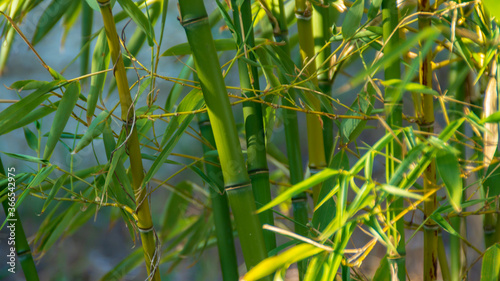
<point>139,18</point>
<point>31,139</point>
<point>100,61</point>
<point>50,16</point>
<point>493,7</point>
<point>64,110</point>
<point>176,206</point>
<point>25,85</point>
<point>399,192</point>
<point>193,101</point>
<point>351,128</point>
<point>93,4</point>
<point>493,118</point>
<point>285,259</point>
<point>383,272</point>
<point>226,44</point>
<point>429,34</point>
<point>490,268</point>
<point>53,191</point>
<point>353,19</point>
<point>410,87</point>
<point>449,170</point>
<point>27,158</point>
<point>11,116</point>
<point>301,187</point>
<point>95,129</point>
<point>374,9</point>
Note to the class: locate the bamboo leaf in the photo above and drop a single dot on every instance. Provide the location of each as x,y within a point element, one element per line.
<point>449,170</point>
<point>193,101</point>
<point>31,139</point>
<point>64,110</point>
<point>352,19</point>
<point>176,206</point>
<point>94,130</point>
<point>27,158</point>
<point>493,7</point>
<point>490,268</point>
<point>139,18</point>
<point>225,44</point>
<point>351,128</point>
<point>383,272</point>
<point>53,191</point>
<point>9,117</point>
<point>100,61</point>
<point>50,16</point>
<point>176,90</point>
<point>301,187</point>
<point>93,4</point>
<point>285,259</point>
<point>399,192</point>
<point>429,34</point>
<point>410,87</point>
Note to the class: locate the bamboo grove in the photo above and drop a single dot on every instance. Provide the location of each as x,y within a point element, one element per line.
<point>328,139</point>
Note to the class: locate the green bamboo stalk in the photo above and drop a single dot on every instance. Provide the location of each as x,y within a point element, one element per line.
<point>316,148</point>
<point>394,118</point>
<point>425,114</point>
<point>252,114</point>
<point>321,31</point>
<point>23,250</point>
<point>455,113</point>
<point>290,122</point>
<point>87,19</point>
<point>220,207</point>
<point>237,183</point>
<point>144,223</point>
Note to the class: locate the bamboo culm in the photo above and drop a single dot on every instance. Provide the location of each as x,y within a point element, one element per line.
<point>425,115</point>
<point>144,223</point>
<point>393,110</point>
<point>252,114</point>
<point>220,207</point>
<point>290,122</point>
<point>316,148</point>
<point>194,19</point>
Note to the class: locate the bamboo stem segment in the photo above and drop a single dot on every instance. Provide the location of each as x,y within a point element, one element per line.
<point>290,122</point>
<point>316,148</point>
<point>425,115</point>
<point>220,207</point>
<point>252,114</point>
<point>144,223</point>
<point>393,109</point>
<point>194,19</point>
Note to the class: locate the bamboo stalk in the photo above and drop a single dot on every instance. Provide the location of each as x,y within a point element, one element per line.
<point>454,114</point>
<point>290,122</point>
<point>252,114</point>
<point>316,148</point>
<point>237,183</point>
<point>394,118</point>
<point>321,31</point>
<point>144,223</point>
<point>87,19</point>
<point>23,250</point>
<point>425,114</point>
<point>220,207</point>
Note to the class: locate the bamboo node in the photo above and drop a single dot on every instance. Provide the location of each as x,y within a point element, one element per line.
<point>234,187</point>
<point>145,230</point>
